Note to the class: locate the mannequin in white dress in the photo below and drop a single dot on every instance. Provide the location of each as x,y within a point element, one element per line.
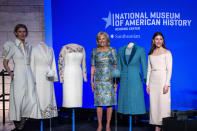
<point>43,63</point>
<point>158,80</point>
<point>71,57</point>
<point>23,95</point>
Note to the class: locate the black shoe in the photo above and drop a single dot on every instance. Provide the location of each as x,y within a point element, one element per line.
<point>21,124</point>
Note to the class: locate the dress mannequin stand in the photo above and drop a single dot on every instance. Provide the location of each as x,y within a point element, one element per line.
<point>44,46</point>
<point>130,45</point>
<point>48,52</point>
<point>116,80</point>
<point>72,54</point>
<point>73,121</point>
<point>133,69</point>
<point>41,125</point>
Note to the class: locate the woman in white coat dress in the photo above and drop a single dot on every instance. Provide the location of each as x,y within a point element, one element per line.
<point>158,80</point>
<point>42,65</point>
<point>23,95</point>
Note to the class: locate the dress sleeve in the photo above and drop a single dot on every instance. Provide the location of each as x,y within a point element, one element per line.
<point>144,65</point>
<point>148,72</point>
<point>8,51</point>
<point>114,55</point>
<point>61,64</point>
<point>84,65</point>
<point>93,60</point>
<point>54,66</point>
<point>168,68</point>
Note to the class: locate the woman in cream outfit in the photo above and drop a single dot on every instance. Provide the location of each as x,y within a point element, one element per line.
<point>23,94</point>
<point>158,80</point>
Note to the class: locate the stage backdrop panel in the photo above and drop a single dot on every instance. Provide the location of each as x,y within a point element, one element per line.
<point>132,21</point>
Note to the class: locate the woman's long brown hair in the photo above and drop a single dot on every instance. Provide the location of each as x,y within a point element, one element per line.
<point>153,46</point>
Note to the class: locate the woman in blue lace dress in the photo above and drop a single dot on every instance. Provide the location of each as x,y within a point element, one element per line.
<point>103,61</point>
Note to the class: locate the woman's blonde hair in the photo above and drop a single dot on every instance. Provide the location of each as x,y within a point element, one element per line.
<point>98,36</point>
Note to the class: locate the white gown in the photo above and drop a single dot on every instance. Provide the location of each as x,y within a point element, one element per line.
<point>71,57</point>
<point>159,75</point>
<point>23,95</point>
<point>41,62</point>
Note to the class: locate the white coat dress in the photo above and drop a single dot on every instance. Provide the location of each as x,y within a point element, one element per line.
<point>23,95</point>
<point>43,60</point>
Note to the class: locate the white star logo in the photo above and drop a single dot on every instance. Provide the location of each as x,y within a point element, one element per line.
<point>107,20</point>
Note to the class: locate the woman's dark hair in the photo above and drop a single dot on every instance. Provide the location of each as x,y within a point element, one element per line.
<point>20,26</point>
<point>153,46</point>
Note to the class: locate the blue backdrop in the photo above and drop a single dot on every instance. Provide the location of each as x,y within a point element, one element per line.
<point>77,21</point>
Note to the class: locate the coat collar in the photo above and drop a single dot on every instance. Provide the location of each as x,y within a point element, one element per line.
<point>45,53</point>
<point>19,44</point>
<point>131,55</point>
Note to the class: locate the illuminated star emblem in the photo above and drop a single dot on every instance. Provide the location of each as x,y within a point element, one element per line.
<point>107,20</point>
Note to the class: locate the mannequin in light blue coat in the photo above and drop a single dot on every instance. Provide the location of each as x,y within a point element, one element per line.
<point>131,61</point>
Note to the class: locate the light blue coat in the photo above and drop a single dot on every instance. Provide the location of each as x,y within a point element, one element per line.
<point>131,93</point>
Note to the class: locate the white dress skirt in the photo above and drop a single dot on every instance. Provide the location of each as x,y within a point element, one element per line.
<point>72,57</point>
<point>159,75</point>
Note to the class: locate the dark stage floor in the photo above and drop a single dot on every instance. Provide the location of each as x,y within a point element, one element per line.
<point>85,120</point>
<point>62,124</point>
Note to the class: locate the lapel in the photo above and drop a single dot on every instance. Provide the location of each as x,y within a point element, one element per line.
<point>19,44</point>
<point>45,54</point>
<point>28,48</point>
<point>124,56</point>
<point>131,55</point>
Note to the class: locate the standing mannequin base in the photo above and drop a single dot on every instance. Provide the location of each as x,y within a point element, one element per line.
<point>41,125</point>
<point>130,123</point>
<point>73,120</point>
